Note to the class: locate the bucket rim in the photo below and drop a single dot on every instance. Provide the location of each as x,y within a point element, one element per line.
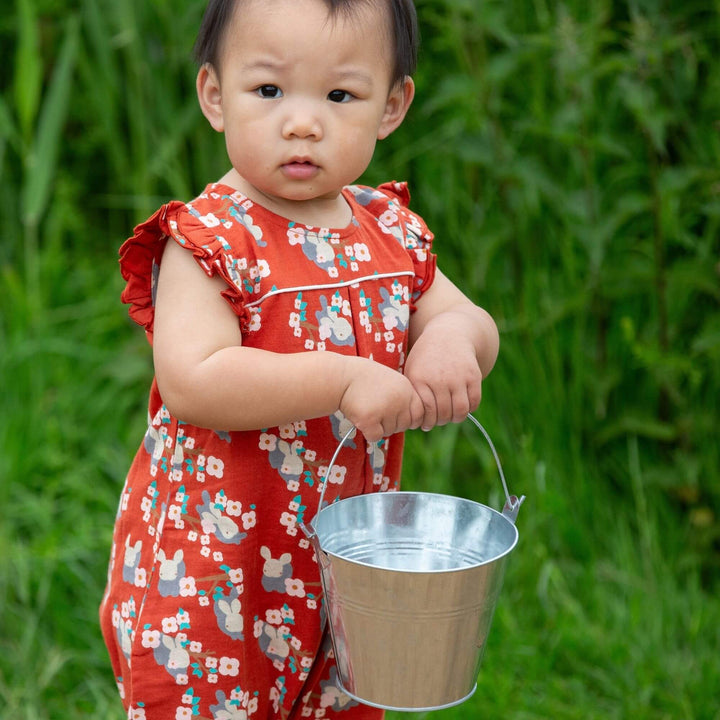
<point>399,708</point>
<point>410,571</point>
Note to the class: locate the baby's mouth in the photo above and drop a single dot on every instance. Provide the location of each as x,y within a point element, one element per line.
<point>300,169</point>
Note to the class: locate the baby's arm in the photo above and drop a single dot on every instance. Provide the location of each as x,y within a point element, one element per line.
<point>206,376</point>
<point>454,345</point>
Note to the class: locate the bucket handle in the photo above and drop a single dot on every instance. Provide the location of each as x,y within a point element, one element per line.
<point>512,502</point>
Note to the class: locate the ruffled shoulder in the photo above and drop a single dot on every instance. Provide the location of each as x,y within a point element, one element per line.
<point>389,204</point>
<point>194,230</point>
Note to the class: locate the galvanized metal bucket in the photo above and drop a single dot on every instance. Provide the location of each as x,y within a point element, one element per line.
<point>411,581</point>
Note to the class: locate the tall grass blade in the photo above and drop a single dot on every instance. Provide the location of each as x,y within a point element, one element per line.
<point>28,67</point>
<point>42,160</point>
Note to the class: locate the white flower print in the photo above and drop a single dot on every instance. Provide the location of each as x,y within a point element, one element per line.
<point>183,713</point>
<point>388,217</point>
<point>229,666</point>
<point>210,220</point>
<point>294,587</point>
<point>337,474</point>
<point>215,467</point>
<point>295,237</point>
<point>140,577</point>
<point>169,625</point>
<point>151,638</point>
<point>236,576</point>
<point>234,508</point>
<point>263,268</point>
<point>288,520</point>
<point>187,587</point>
<point>267,442</point>
<point>287,431</point>
<point>362,254</point>
<point>255,320</point>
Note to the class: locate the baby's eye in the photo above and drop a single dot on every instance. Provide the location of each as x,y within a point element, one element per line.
<point>269,91</point>
<point>339,96</point>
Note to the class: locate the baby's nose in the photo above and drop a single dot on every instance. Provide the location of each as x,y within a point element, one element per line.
<point>303,121</point>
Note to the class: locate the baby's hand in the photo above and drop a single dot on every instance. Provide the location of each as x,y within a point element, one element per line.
<point>443,368</point>
<point>379,401</point>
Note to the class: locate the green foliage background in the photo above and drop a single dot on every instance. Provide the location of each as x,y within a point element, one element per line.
<point>567,155</point>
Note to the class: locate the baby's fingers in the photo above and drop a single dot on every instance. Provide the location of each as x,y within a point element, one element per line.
<point>429,407</point>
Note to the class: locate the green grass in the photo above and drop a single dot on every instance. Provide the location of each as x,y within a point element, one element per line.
<point>567,156</point>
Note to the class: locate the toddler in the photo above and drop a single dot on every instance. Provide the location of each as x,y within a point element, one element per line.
<point>285,306</point>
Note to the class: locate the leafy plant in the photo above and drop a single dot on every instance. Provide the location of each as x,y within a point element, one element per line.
<point>567,156</point>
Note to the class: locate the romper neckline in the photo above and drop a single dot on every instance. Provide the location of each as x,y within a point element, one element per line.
<point>285,222</point>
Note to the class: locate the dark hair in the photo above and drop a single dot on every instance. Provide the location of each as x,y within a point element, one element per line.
<point>404,31</point>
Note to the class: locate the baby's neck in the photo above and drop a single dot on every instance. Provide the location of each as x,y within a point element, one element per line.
<point>331,211</point>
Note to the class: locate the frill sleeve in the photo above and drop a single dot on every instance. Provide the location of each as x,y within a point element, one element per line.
<point>141,254</point>
<point>416,236</point>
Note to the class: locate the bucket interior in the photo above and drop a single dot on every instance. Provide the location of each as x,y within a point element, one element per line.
<point>414,532</point>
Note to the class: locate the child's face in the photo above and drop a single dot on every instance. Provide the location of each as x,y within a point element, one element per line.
<point>302,98</point>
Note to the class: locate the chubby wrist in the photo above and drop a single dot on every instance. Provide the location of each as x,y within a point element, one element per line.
<point>465,324</point>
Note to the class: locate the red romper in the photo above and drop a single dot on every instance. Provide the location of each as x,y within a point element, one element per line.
<point>213,608</point>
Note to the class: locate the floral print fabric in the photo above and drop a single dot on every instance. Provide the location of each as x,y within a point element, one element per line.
<point>214,607</point>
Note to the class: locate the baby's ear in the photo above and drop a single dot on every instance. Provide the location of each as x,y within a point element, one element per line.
<point>210,96</point>
<point>398,102</point>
